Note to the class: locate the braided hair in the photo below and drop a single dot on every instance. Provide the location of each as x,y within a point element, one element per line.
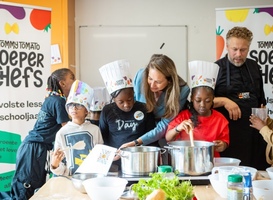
<point>53,86</point>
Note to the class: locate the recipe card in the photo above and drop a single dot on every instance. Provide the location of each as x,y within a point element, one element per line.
<point>98,160</point>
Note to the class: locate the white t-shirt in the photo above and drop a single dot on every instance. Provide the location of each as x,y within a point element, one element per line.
<point>82,138</point>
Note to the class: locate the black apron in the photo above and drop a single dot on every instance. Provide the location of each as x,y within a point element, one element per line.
<point>242,85</point>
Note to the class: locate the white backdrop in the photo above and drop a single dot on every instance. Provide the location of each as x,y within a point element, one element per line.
<point>100,45</point>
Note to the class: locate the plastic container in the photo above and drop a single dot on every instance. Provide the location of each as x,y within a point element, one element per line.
<point>235,187</point>
<point>248,190</point>
<point>164,168</point>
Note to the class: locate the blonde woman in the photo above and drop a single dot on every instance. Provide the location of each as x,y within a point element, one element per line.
<point>163,91</point>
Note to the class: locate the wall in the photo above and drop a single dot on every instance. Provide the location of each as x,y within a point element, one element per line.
<point>62,28</point>
<point>198,15</point>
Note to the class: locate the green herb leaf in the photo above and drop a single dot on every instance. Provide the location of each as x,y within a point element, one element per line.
<point>173,187</point>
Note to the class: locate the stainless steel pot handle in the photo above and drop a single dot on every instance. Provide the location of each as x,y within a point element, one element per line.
<point>121,154</point>
<point>162,150</point>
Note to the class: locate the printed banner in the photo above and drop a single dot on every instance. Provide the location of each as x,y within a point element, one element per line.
<point>260,21</point>
<point>24,68</point>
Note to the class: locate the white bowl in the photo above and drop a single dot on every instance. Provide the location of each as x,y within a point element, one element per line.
<point>224,171</point>
<point>244,169</point>
<point>225,161</point>
<point>105,188</point>
<point>219,186</point>
<point>263,189</point>
<point>270,172</point>
<point>78,178</point>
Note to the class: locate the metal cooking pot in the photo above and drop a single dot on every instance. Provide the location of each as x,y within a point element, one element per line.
<point>140,160</point>
<point>188,160</point>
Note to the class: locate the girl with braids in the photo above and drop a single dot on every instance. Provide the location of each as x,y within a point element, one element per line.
<point>31,159</point>
<point>206,123</point>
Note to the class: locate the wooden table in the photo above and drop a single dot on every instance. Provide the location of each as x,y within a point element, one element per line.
<point>62,188</point>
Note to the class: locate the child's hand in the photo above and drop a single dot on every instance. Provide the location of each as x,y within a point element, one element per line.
<point>256,122</point>
<point>186,125</point>
<point>219,145</point>
<point>56,157</point>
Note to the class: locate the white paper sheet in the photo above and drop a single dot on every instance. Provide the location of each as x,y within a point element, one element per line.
<point>98,160</point>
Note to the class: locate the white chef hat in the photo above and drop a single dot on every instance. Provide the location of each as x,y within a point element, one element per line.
<point>80,93</point>
<point>116,75</point>
<point>100,98</point>
<point>203,73</point>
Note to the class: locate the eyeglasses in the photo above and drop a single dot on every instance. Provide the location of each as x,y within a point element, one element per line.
<point>75,105</point>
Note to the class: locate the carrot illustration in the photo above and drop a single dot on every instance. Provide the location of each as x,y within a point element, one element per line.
<point>220,42</point>
<point>40,19</point>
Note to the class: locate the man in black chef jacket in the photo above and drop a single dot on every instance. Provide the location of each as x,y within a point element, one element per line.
<point>239,87</point>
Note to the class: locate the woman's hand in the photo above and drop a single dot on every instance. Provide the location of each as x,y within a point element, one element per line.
<point>256,122</point>
<point>219,145</point>
<point>56,157</point>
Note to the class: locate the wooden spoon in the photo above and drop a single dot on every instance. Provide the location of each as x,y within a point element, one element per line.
<point>191,137</point>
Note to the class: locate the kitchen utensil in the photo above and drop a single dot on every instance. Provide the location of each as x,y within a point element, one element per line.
<point>105,188</point>
<point>196,160</point>
<point>139,160</point>
<point>219,186</point>
<point>269,170</point>
<point>78,178</point>
<point>224,171</point>
<point>225,161</point>
<point>191,137</point>
<point>262,189</point>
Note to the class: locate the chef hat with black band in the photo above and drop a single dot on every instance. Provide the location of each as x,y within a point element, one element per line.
<point>203,73</point>
<point>116,75</point>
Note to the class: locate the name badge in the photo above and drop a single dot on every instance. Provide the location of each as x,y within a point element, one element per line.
<point>244,95</point>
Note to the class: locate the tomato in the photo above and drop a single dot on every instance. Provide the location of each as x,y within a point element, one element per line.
<point>40,19</point>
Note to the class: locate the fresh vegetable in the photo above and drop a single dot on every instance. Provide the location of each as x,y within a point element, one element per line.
<point>40,19</point>
<point>268,10</point>
<point>220,43</point>
<point>173,188</point>
<point>16,11</point>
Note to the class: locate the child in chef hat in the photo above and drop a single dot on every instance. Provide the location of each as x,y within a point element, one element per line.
<point>124,119</point>
<point>200,118</point>
<point>78,137</point>
<point>99,100</point>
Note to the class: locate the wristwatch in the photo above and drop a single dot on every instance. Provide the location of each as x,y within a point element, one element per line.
<point>136,142</point>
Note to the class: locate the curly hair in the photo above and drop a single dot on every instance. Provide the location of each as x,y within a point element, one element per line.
<point>240,32</point>
<point>166,66</point>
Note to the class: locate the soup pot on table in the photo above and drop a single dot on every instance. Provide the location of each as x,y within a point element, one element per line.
<point>191,160</point>
<point>139,160</point>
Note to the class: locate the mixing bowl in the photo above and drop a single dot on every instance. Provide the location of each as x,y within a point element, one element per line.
<point>225,161</point>
<point>105,188</point>
<point>78,178</point>
<point>269,170</point>
<point>219,186</point>
<point>263,189</point>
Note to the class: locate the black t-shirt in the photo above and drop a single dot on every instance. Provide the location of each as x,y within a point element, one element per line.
<point>119,127</point>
